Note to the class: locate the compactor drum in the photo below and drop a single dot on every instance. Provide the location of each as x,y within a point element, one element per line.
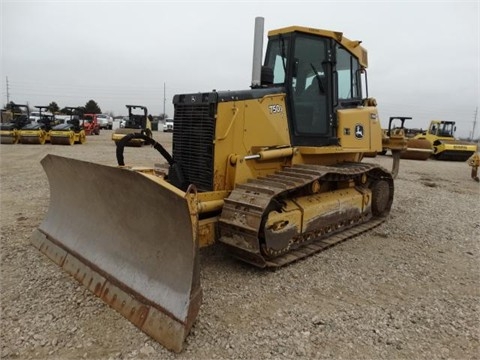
<point>417,149</point>
<point>8,133</point>
<point>274,173</point>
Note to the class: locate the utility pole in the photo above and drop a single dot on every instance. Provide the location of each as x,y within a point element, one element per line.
<point>8,93</point>
<point>474,123</point>
<point>164,115</point>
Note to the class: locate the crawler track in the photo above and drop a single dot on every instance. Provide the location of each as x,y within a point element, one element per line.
<point>242,219</point>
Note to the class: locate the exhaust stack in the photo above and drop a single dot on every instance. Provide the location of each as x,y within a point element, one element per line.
<point>257,52</point>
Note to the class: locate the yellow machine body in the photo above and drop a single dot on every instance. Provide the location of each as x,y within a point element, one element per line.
<point>136,124</point>
<point>12,120</point>
<point>119,134</point>
<point>34,136</point>
<point>67,137</point>
<point>273,173</point>
<point>444,145</point>
<point>9,136</point>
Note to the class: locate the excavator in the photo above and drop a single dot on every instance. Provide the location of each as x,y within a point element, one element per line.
<point>273,173</point>
<point>136,123</point>
<point>16,117</point>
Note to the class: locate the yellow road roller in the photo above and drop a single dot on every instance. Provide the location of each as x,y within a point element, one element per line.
<point>70,133</point>
<point>13,119</point>
<point>39,132</point>
<point>444,146</point>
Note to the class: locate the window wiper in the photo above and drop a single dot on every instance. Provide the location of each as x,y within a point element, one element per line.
<point>320,80</point>
<point>283,53</point>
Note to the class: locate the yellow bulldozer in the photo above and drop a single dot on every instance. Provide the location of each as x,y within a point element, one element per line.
<point>274,173</point>
<point>444,146</point>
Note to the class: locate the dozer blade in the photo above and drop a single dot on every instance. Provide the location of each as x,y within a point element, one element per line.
<point>129,240</point>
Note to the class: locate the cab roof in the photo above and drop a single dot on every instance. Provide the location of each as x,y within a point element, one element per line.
<point>351,45</point>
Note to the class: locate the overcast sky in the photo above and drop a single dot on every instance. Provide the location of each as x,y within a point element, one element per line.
<point>423,56</point>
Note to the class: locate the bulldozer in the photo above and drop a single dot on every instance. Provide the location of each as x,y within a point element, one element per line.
<point>16,117</point>
<point>136,123</point>
<point>69,133</point>
<point>273,173</point>
<point>441,137</point>
<point>39,132</point>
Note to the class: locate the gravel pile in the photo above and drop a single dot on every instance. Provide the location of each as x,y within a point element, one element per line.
<point>407,289</point>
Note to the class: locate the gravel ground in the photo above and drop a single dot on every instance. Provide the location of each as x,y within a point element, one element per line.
<point>408,289</point>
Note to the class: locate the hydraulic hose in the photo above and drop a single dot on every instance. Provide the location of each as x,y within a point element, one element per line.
<point>148,140</point>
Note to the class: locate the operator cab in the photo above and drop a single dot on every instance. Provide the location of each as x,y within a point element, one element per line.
<point>320,76</point>
<point>443,128</point>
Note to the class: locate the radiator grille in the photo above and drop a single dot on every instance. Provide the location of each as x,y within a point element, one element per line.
<point>193,136</point>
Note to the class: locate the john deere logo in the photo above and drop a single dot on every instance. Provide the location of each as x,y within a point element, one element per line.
<point>358,131</point>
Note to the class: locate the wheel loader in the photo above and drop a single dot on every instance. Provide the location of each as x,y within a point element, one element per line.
<point>272,173</point>
<point>136,123</point>
<point>13,119</point>
<point>444,145</point>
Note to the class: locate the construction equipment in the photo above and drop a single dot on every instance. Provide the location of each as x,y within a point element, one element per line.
<point>273,173</point>
<point>69,133</point>
<point>13,120</point>
<point>417,149</point>
<point>90,124</point>
<point>474,162</point>
<point>444,145</point>
<point>39,132</point>
<point>136,123</point>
